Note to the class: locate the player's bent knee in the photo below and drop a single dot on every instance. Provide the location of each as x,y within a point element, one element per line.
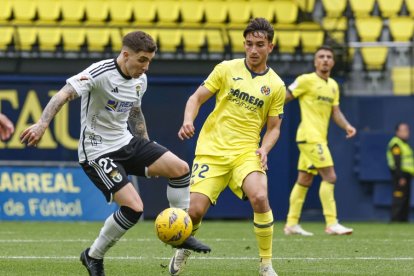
<point>259,200</point>
<point>130,215</point>
<point>179,169</point>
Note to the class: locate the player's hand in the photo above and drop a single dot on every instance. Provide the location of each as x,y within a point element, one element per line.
<point>263,158</point>
<point>6,127</point>
<point>186,131</point>
<point>350,131</point>
<point>32,135</point>
<point>402,182</point>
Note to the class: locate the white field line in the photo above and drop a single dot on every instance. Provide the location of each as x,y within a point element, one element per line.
<point>348,239</point>
<point>213,258</point>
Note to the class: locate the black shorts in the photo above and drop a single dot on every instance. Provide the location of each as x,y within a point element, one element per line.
<point>110,171</point>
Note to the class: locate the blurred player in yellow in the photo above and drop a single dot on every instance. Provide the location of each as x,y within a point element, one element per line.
<point>318,96</point>
<point>229,153</point>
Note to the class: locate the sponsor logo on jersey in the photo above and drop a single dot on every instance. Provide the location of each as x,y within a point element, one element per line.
<point>325,99</point>
<point>265,90</point>
<point>237,78</point>
<point>115,90</point>
<point>244,99</point>
<point>115,106</point>
<point>95,140</point>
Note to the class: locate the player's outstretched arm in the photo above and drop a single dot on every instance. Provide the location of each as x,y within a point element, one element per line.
<point>137,123</point>
<point>34,133</point>
<point>6,127</point>
<point>269,139</point>
<point>200,96</point>
<point>289,96</point>
<point>342,122</point>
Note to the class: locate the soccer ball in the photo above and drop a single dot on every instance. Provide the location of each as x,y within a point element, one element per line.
<point>173,226</point>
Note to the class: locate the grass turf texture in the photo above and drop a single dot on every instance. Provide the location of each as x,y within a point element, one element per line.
<point>52,248</point>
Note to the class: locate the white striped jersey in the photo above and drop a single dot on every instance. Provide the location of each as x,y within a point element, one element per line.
<point>107,98</point>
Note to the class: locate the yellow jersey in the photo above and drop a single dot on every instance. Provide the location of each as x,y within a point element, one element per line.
<point>316,98</point>
<point>244,100</point>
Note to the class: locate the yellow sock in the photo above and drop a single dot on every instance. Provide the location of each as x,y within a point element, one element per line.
<point>297,197</point>
<point>263,228</point>
<point>326,194</point>
<point>195,228</point>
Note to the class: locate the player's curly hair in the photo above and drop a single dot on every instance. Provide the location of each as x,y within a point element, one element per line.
<point>260,25</point>
<point>139,41</point>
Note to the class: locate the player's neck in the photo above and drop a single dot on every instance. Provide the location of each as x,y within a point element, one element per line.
<point>323,75</point>
<point>259,69</point>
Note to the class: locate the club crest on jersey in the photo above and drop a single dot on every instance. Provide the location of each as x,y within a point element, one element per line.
<point>265,90</point>
<point>138,88</point>
<point>116,176</point>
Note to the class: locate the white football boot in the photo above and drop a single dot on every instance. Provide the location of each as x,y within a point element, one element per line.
<point>267,270</point>
<point>296,230</point>
<point>337,229</point>
<point>178,261</point>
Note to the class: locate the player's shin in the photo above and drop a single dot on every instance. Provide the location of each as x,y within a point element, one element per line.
<point>263,228</point>
<point>297,197</point>
<point>113,229</point>
<point>178,192</point>
<point>326,194</point>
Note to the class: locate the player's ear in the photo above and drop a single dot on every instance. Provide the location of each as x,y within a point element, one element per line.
<point>271,45</point>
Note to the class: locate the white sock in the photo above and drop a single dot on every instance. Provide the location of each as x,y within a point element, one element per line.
<point>178,192</point>
<point>110,233</point>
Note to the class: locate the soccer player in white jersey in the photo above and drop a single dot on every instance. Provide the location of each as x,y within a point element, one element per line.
<point>230,152</point>
<point>111,92</point>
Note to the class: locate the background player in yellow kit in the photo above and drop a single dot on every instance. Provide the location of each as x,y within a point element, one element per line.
<point>249,95</point>
<point>318,96</point>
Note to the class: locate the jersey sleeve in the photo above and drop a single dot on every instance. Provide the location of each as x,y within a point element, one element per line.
<point>278,102</point>
<point>298,87</point>
<point>82,82</point>
<point>215,79</point>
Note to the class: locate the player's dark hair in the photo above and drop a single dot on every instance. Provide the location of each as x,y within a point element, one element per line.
<point>260,25</point>
<point>397,126</point>
<point>326,48</point>
<point>139,41</point>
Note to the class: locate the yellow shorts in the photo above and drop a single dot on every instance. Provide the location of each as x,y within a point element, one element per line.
<point>314,156</point>
<point>212,174</point>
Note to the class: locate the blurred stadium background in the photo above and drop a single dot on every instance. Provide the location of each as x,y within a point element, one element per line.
<point>42,42</point>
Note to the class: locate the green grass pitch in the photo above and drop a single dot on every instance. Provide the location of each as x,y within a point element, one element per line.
<point>52,248</point>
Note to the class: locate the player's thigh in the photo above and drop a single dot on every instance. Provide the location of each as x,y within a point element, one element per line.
<point>314,156</point>
<point>328,174</point>
<point>209,176</point>
<point>168,165</point>
<point>247,164</point>
<point>128,196</point>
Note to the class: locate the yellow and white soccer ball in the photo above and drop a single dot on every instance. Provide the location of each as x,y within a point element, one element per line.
<point>173,226</point>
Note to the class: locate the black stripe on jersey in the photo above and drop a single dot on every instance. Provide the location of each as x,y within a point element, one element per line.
<point>101,66</point>
<point>103,70</point>
<point>83,132</point>
<point>83,143</point>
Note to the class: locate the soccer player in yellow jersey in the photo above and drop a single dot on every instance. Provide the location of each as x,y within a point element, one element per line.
<point>229,153</point>
<point>318,96</point>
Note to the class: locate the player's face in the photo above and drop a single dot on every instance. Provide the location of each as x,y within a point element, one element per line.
<point>137,64</point>
<point>324,61</point>
<point>403,132</point>
<point>257,49</point>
